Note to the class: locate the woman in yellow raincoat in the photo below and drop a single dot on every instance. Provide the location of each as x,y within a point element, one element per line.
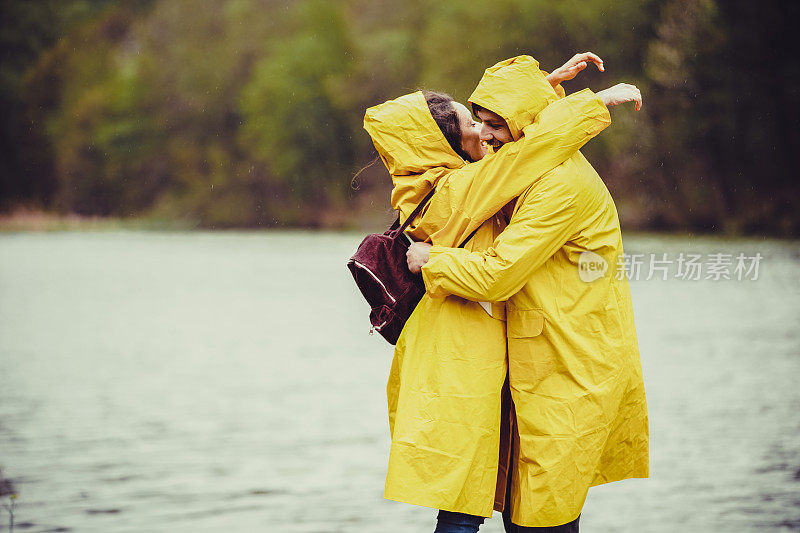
<point>574,368</point>
<point>444,389</point>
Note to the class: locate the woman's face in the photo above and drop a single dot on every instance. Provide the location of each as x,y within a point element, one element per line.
<point>471,142</point>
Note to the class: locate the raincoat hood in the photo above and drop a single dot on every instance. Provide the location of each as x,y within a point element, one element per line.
<point>407,138</point>
<point>499,92</point>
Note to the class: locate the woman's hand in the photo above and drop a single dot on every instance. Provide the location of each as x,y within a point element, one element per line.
<point>621,93</point>
<point>571,68</point>
<point>417,255</point>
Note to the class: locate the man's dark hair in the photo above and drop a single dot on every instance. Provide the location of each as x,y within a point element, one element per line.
<point>444,113</point>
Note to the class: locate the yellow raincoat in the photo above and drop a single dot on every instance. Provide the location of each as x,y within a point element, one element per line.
<point>574,369</point>
<point>444,388</point>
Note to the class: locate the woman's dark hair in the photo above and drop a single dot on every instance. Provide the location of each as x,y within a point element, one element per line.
<point>444,113</point>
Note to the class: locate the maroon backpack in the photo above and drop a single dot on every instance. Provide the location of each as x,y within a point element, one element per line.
<point>380,269</point>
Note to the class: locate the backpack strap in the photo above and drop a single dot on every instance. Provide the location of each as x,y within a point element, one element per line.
<point>414,213</point>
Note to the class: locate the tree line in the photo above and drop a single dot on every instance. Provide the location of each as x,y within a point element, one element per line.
<point>247,113</point>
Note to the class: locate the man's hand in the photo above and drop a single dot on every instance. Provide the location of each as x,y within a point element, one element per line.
<point>621,93</point>
<point>571,68</point>
<point>417,255</point>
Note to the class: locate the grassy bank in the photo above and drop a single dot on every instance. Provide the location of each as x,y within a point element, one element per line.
<point>37,220</point>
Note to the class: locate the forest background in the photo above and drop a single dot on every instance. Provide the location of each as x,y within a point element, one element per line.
<point>248,113</point>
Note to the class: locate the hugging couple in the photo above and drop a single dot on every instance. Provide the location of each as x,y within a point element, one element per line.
<point>516,383</point>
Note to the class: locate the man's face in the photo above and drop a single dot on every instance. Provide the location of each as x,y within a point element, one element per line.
<point>495,131</point>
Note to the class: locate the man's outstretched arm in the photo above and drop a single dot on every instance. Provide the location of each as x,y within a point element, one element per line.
<point>547,218</point>
<point>469,196</point>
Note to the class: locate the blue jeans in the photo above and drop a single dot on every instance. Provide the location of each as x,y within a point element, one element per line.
<point>450,522</point>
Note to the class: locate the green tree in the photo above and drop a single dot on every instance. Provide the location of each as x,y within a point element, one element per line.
<point>292,120</point>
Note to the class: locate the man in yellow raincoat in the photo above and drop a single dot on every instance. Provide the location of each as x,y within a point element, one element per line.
<point>449,365</point>
<point>573,358</point>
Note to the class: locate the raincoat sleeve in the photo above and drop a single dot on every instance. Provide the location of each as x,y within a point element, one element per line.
<point>469,196</point>
<point>558,88</point>
<point>546,218</point>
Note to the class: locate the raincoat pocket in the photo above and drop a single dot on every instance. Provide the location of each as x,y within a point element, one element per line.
<point>523,323</point>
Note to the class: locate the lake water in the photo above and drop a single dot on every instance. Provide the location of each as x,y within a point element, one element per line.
<point>226,382</point>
